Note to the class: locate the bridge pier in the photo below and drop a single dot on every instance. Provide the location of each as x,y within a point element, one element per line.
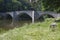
<point>14,20</point>
<point>32,16</point>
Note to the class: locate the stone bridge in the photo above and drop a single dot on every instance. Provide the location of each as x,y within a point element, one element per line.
<point>34,15</point>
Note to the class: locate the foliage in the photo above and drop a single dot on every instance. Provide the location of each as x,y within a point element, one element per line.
<point>57,20</point>
<point>52,5</point>
<point>42,5</point>
<point>47,5</point>
<point>37,31</point>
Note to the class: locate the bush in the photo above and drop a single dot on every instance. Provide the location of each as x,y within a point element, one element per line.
<point>57,20</point>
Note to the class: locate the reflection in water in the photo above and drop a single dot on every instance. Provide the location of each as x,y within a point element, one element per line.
<point>22,22</point>
<point>8,23</point>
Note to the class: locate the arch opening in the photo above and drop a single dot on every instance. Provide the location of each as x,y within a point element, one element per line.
<point>8,19</point>
<point>44,16</point>
<point>24,17</point>
<point>1,20</point>
<point>1,17</point>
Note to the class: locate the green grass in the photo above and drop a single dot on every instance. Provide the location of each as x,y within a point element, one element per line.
<point>36,31</point>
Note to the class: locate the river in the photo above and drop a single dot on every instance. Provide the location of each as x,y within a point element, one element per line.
<point>8,24</point>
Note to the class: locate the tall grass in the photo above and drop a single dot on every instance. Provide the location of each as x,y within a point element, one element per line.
<point>36,31</point>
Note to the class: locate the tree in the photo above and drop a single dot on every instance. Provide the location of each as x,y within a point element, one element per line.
<point>41,5</point>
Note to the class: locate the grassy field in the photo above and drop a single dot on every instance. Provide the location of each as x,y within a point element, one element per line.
<point>36,31</point>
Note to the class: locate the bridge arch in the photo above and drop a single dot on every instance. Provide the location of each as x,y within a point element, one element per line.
<point>42,17</point>
<point>8,19</point>
<point>24,16</point>
<point>26,12</point>
<point>49,15</point>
